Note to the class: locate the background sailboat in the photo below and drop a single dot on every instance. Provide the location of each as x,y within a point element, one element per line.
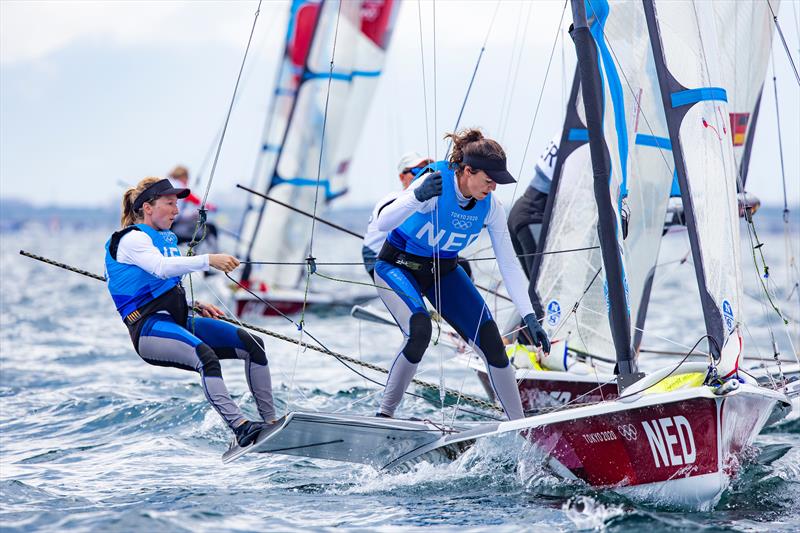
<point>332,60</point>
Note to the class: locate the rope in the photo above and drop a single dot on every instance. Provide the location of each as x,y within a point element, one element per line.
<point>478,402</point>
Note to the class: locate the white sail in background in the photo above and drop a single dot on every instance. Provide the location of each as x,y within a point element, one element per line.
<point>744,39</point>
<point>684,36</point>
<point>361,31</point>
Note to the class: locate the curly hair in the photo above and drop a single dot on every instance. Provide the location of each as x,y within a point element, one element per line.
<point>470,141</point>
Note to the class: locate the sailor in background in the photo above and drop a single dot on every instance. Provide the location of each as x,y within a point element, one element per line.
<point>527,213</point>
<point>410,166</point>
<point>144,269</point>
<point>189,214</point>
<point>437,216</point>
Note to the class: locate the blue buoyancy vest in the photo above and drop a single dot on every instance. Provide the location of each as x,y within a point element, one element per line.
<point>130,286</point>
<point>457,226</point>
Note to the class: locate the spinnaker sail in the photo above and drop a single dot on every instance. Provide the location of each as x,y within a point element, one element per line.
<point>314,124</point>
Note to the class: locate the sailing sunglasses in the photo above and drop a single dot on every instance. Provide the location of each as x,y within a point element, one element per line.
<point>414,170</point>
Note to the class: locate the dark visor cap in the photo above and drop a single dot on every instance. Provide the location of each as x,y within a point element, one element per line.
<point>160,188</point>
<point>495,167</point>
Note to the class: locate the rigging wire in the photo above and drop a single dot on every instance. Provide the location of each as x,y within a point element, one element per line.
<point>351,263</point>
<point>506,117</point>
<point>311,266</point>
<point>424,83</point>
<point>514,47</point>
<point>792,272</point>
<point>783,40</point>
<point>200,227</point>
<point>247,75</point>
<point>472,78</point>
<point>201,223</point>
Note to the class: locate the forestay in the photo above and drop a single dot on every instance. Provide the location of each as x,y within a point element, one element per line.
<point>295,152</point>
<point>694,97</point>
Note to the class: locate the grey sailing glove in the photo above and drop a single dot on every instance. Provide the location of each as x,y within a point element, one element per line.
<point>537,333</point>
<point>431,187</point>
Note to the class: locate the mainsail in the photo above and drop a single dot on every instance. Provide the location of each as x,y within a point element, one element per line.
<point>744,39</point>
<point>314,124</point>
<point>695,102</point>
<point>635,132</point>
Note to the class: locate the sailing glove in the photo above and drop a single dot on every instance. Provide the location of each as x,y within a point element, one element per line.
<point>536,332</point>
<point>430,188</point>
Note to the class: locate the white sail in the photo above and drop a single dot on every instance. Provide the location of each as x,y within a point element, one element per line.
<point>637,140</point>
<point>744,38</point>
<point>685,40</point>
<point>308,167</point>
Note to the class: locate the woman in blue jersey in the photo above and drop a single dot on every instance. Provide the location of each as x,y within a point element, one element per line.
<point>438,215</point>
<point>144,269</point>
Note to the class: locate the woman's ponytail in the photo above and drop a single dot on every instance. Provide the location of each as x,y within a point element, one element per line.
<point>471,141</point>
<point>129,216</point>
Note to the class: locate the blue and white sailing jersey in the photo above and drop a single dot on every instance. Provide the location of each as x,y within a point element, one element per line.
<point>132,287</point>
<point>448,228</point>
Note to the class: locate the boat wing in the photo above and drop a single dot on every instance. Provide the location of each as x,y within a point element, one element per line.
<point>379,442</point>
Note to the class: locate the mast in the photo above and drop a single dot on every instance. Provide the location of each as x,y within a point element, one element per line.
<point>608,230</point>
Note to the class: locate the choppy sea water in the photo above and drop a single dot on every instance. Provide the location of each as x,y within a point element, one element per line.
<point>93,439</point>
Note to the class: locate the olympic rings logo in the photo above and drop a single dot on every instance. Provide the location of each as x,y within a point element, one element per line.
<point>628,431</point>
<point>461,224</point>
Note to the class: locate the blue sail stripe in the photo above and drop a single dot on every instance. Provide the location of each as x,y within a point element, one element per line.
<point>308,182</point>
<point>675,191</point>
<point>271,148</point>
<point>692,96</point>
<point>342,76</point>
<point>601,10</point>
<point>651,140</point>
<point>578,134</point>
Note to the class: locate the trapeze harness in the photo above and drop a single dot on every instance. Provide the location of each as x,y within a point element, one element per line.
<point>163,334</point>
<point>407,266</point>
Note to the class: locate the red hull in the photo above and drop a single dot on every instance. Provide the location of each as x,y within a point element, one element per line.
<point>681,452</point>
<point>540,393</point>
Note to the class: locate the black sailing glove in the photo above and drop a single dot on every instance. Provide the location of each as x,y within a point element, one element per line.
<point>430,188</point>
<point>537,333</point>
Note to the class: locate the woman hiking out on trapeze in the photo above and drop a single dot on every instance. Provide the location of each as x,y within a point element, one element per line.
<point>437,216</point>
<point>144,269</point>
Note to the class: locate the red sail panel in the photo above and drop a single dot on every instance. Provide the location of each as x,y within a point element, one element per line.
<point>375,18</point>
<point>300,42</point>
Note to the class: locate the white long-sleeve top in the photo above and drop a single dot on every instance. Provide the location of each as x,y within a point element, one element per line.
<point>514,278</point>
<point>375,237</point>
<point>136,248</point>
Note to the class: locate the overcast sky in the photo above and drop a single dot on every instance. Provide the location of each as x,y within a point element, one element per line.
<point>97,94</point>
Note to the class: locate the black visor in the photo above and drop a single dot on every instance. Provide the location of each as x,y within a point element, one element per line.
<point>495,167</point>
<point>160,188</point>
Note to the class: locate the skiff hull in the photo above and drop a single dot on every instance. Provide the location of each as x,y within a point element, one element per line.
<point>681,449</point>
